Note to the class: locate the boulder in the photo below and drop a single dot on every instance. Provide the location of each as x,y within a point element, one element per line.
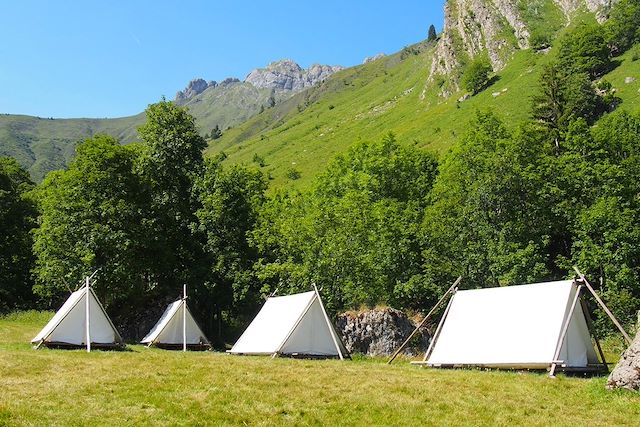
<point>626,374</point>
<point>379,332</point>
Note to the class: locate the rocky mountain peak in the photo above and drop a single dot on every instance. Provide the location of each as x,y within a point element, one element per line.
<point>195,87</point>
<point>287,75</point>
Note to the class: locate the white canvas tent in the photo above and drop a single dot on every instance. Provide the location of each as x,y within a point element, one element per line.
<point>177,329</point>
<point>70,328</point>
<point>291,325</point>
<point>535,326</point>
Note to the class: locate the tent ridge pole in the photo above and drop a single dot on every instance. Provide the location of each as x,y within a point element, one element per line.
<point>435,307</point>
<point>603,306</point>
<point>565,328</point>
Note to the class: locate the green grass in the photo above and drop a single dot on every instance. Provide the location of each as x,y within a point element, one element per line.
<point>151,387</point>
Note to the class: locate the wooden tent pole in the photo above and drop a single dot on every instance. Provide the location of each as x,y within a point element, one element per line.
<point>587,317</point>
<point>184,317</point>
<point>87,322</point>
<point>435,336</point>
<point>427,317</point>
<point>563,334</point>
<point>603,306</point>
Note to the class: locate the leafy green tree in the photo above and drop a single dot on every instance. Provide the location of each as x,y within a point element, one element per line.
<point>585,50</point>
<point>485,222</point>
<point>93,217</point>
<point>216,133</point>
<point>171,162</point>
<point>355,233</point>
<point>623,25</point>
<point>230,200</point>
<point>476,76</point>
<point>17,218</point>
<point>432,36</point>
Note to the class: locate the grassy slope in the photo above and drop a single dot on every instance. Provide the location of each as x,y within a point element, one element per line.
<point>148,386</point>
<point>45,144</point>
<point>391,94</point>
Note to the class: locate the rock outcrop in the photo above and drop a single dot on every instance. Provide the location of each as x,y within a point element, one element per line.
<point>379,332</point>
<point>194,88</point>
<point>496,27</point>
<point>286,75</point>
<point>373,58</point>
<point>626,374</point>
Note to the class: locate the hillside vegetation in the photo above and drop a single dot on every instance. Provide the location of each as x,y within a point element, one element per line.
<point>391,94</point>
<point>149,387</point>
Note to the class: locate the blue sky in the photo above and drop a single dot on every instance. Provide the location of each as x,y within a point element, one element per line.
<point>110,59</point>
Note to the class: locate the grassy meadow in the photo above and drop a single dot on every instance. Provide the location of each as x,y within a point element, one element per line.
<point>149,387</point>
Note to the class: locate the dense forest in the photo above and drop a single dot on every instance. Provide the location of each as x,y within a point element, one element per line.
<point>386,223</point>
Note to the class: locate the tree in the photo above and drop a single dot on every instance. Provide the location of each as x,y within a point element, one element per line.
<point>485,221</point>
<point>432,33</point>
<point>623,26</point>
<point>171,162</point>
<point>93,216</point>
<point>476,76</point>
<point>585,50</point>
<point>17,219</point>
<point>354,234</point>
<point>216,133</point>
<point>562,98</point>
<point>230,200</point>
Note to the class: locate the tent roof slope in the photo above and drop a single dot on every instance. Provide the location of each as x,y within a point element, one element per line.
<point>292,324</point>
<point>67,326</point>
<point>514,327</point>
<point>168,330</point>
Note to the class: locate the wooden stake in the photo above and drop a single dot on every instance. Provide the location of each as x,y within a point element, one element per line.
<point>87,322</point>
<point>438,329</point>
<point>603,306</point>
<point>563,334</point>
<point>184,317</point>
<point>427,317</point>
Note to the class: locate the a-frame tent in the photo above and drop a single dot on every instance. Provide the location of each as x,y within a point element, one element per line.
<point>177,329</point>
<point>534,326</point>
<point>292,325</point>
<point>70,326</point>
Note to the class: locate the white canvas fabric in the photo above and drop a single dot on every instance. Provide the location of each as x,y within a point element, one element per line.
<point>68,325</point>
<point>168,330</point>
<point>293,324</point>
<point>514,327</point>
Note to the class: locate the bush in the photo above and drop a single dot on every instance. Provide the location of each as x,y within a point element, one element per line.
<point>293,174</point>
<point>476,77</point>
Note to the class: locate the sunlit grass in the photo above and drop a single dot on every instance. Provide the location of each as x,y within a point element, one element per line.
<point>149,386</point>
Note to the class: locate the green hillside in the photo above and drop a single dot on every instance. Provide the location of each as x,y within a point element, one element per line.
<point>45,144</point>
<point>390,94</point>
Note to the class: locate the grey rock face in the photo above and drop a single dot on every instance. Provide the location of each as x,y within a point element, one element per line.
<point>373,58</point>
<point>195,87</point>
<point>286,75</point>
<point>475,26</point>
<point>626,374</point>
<point>379,332</point>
